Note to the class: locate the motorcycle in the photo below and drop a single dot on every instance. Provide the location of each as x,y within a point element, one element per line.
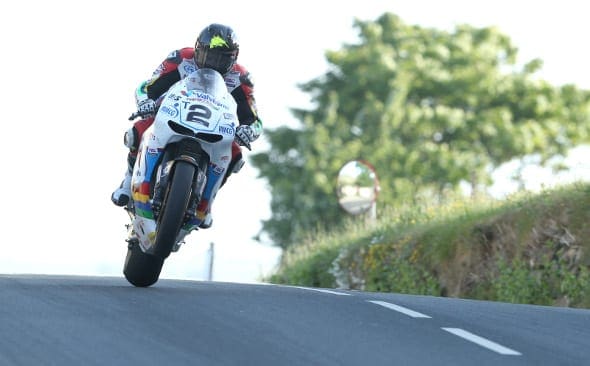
<point>182,159</point>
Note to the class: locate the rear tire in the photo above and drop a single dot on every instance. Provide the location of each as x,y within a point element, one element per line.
<point>141,269</point>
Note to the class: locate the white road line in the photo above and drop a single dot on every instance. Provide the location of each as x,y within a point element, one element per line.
<point>482,341</point>
<point>401,309</point>
<point>324,291</point>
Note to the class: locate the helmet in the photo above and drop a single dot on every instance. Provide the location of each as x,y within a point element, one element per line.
<point>216,48</point>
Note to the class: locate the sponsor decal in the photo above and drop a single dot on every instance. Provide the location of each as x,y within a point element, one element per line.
<point>188,68</point>
<point>216,169</point>
<point>152,151</point>
<point>228,116</point>
<point>159,70</point>
<point>232,80</point>
<point>225,158</point>
<point>208,98</point>
<point>227,130</point>
<point>172,111</point>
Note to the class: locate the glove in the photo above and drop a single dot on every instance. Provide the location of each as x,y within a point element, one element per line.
<point>245,136</point>
<point>146,108</point>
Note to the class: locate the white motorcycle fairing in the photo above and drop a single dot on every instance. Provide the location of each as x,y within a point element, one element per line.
<point>196,111</point>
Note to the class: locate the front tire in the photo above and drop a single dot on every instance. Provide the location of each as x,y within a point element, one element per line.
<point>175,205</point>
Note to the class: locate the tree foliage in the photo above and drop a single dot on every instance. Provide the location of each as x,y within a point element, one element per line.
<point>428,108</point>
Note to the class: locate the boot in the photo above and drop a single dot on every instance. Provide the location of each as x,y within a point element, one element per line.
<point>207,222</point>
<point>121,195</point>
<point>234,166</point>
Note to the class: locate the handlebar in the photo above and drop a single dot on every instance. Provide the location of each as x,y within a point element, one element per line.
<point>134,115</point>
<point>246,146</point>
<point>242,143</point>
<point>137,114</point>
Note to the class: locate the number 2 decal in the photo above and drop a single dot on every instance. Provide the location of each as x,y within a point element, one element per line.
<point>199,114</point>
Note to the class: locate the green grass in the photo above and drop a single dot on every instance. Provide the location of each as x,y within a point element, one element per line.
<point>528,248</point>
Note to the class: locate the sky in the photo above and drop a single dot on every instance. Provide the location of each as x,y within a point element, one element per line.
<point>70,70</point>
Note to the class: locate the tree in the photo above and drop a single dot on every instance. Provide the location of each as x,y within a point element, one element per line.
<point>428,108</point>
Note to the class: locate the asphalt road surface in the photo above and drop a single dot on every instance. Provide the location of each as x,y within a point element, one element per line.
<point>71,320</point>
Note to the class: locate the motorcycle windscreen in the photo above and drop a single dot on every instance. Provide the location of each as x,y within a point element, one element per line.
<point>207,81</point>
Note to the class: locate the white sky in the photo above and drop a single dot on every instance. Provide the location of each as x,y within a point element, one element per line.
<point>70,69</point>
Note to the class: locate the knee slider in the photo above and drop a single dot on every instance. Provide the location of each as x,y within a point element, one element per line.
<point>239,163</point>
<point>130,139</point>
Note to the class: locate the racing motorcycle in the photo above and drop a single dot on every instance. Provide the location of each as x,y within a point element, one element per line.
<point>182,159</point>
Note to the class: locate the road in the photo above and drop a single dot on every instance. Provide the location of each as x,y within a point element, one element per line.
<point>72,320</point>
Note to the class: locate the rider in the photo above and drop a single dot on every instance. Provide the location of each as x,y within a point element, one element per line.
<point>216,48</point>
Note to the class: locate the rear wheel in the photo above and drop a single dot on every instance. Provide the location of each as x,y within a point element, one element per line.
<point>143,269</point>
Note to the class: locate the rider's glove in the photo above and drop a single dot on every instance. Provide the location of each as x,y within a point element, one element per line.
<point>245,135</point>
<point>146,108</point>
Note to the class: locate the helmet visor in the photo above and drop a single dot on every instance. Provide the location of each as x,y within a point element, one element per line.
<point>216,59</point>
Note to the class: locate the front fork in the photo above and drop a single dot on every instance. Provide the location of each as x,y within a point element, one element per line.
<point>165,171</point>
<point>197,193</point>
<point>162,179</point>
